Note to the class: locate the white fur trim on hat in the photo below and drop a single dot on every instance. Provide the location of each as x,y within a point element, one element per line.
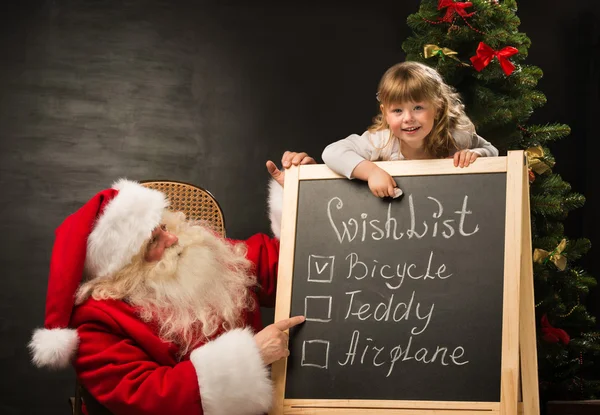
<point>126,223</point>
<point>53,348</point>
<point>232,376</point>
<point>275,206</point>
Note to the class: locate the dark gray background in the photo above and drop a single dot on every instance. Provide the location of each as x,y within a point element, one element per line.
<point>205,92</point>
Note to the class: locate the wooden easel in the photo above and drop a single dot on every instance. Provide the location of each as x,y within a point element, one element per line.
<point>519,381</point>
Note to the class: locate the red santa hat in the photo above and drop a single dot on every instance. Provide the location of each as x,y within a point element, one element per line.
<point>96,241</point>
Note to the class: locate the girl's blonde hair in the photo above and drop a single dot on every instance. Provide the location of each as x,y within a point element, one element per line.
<point>416,82</point>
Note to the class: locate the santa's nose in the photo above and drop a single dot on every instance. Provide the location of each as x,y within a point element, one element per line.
<point>170,239</point>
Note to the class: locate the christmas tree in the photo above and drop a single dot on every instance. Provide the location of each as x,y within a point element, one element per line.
<point>477,48</point>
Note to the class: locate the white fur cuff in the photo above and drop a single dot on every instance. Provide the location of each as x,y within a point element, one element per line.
<point>232,376</point>
<point>275,207</point>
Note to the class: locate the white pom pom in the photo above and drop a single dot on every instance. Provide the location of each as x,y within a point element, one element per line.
<point>53,348</point>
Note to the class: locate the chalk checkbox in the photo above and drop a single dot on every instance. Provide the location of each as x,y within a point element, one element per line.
<point>320,268</point>
<point>315,353</point>
<point>317,308</point>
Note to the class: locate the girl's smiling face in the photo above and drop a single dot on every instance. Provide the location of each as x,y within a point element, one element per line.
<point>410,121</point>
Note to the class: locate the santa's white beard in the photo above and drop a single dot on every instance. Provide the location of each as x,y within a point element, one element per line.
<point>200,285</point>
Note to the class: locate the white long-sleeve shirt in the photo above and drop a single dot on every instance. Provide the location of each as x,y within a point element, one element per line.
<point>344,155</point>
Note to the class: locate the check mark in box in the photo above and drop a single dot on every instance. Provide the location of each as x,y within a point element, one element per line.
<point>315,353</point>
<point>320,268</point>
<point>317,308</point>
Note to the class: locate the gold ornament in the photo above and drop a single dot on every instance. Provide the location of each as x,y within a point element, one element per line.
<point>534,160</point>
<point>542,256</point>
<point>434,50</point>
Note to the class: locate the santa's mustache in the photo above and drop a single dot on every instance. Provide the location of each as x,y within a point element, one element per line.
<point>175,250</point>
<point>174,255</point>
<point>190,242</point>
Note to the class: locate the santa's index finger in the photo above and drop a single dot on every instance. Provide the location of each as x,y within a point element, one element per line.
<point>289,322</point>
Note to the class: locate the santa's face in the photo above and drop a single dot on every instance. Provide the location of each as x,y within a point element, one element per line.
<point>160,240</point>
<point>200,280</point>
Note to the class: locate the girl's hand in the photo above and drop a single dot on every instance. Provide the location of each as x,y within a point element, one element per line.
<point>288,159</point>
<point>463,158</point>
<point>382,184</point>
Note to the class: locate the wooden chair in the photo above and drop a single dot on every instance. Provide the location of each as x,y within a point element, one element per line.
<point>197,204</point>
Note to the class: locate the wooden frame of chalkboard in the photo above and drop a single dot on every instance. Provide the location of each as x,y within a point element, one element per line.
<point>503,344</point>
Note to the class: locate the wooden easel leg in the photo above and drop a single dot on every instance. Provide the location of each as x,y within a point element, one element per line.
<point>527,326</point>
<point>509,387</point>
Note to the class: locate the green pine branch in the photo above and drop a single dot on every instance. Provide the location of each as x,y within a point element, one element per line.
<point>549,132</point>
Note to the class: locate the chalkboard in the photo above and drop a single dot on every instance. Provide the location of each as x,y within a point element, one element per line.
<point>423,303</point>
<point>403,298</point>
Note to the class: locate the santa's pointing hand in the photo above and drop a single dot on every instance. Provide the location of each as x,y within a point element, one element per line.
<point>272,341</point>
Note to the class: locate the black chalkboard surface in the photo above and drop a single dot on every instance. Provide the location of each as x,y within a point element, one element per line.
<point>403,298</point>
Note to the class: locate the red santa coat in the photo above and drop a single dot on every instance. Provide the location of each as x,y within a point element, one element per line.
<point>123,363</point>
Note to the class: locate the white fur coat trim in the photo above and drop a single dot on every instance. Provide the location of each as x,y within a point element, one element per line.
<point>126,223</point>
<point>275,207</point>
<point>53,348</point>
<point>232,376</point>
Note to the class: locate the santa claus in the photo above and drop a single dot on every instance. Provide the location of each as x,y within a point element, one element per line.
<point>158,314</point>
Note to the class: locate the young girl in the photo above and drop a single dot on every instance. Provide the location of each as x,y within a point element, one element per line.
<point>421,118</point>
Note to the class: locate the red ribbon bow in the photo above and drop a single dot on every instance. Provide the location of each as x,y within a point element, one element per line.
<point>485,54</point>
<point>552,334</point>
<point>453,7</point>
